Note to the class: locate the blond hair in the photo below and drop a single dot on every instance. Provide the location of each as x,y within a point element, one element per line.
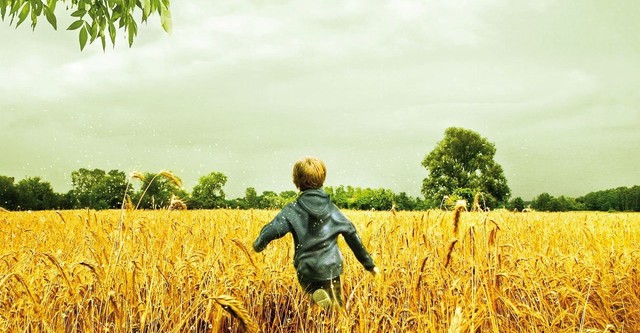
<point>309,173</point>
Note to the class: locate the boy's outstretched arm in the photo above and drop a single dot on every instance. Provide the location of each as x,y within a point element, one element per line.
<point>355,244</point>
<point>271,231</point>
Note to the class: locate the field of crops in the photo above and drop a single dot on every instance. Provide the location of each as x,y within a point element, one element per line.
<point>195,271</point>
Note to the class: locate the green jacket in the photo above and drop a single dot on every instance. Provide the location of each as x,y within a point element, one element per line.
<point>315,224</point>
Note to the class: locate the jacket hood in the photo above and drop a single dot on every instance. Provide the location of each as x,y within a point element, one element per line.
<point>316,202</point>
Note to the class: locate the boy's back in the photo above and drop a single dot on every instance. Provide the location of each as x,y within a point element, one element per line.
<point>315,224</point>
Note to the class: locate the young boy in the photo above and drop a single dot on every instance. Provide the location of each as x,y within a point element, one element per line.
<point>315,224</point>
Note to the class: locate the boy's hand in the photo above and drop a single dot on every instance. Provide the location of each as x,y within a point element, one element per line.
<point>376,273</point>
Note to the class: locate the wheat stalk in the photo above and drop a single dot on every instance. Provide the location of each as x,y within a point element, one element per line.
<point>244,249</point>
<point>452,244</point>
<point>171,177</point>
<point>456,218</point>
<point>456,321</point>
<point>237,310</point>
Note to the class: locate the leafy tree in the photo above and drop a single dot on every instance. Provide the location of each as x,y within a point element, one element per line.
<point>208,193</point>
<point>83,183</point>
<point>403,201</point>
<point>97,189</point>
<point>251,198</point>
<point>548,203</point>
<point>288,197</point>
<point>543,202</point>
<point>464,159</point>
<point>361,198</point>
<point>8,194</point>
<point>34,194</point>
<point>113,188</point>
<point>269,200</point>
<point>156,190</point>
<point>93,19</point>
<point>517,204</point>
<point>618,199</point>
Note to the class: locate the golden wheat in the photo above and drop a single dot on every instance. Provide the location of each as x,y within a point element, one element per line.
<point>193,271</point>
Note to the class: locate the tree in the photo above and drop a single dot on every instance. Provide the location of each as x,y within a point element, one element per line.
<point>8,194</point>
<point>464,159</point>
<point>97,189</point>
<point>93,19</point>
<point>208,193</point>
<point>403,201</point>
<point>251,199</point>
<point>84,182</point>
<point>156,190</point>
<point>269,200</point>
<point>517,204</point>
<point>34,194</point>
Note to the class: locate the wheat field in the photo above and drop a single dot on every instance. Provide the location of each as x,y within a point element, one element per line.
<point>195,271</point>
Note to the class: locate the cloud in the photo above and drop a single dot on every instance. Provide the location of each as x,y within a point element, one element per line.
<point>246,88</point>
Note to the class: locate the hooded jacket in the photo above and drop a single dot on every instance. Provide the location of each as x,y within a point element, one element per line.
<point>315,223</point>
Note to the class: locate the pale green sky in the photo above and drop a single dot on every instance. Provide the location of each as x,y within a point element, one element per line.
<point>246,88</point>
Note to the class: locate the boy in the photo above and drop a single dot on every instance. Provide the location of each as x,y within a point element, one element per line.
<point>315,224</point>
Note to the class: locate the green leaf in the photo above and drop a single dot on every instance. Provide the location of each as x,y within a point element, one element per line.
<point>23,14</point>
<point>132,32</point>
<point>104,42</point>
<point>34,20</point>
<point>112,33</point>
<point>165,18</point>
<point>3,8</point>
<point>75,25</point>
<point>51,17</point>
<point>52,5</point>
<point>94,31</point>
<point>79,13</point>
<point>15,6</point>
<point>83,38</point>
<point>37,7</point>
<point>146,8</point>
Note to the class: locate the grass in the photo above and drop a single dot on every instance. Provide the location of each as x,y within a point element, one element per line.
<point>194,271</point>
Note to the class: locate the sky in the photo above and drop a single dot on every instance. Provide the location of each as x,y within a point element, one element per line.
<point>247,87</point>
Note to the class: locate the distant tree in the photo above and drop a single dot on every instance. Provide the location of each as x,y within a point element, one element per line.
<point>403,201</point>
<point>251,198</point>
<point>517,204</point>
<point>361,198</point>
<point>289,196</point>
<point>97,189</point>
<point>543,202</point>
<point>34,194</point>
<point>548,203</point>
<point>379,199</point>
<point>269,200</point>
<point>338,195</point>
<point>8,194</point>
<point>464,159</point>
<point>615,199</point>
<point>209,193</point>
<point>286,197</point>
<point>113,188</point>
<point>93,19</point>
<point>84,183</point>
<point>157,189</point>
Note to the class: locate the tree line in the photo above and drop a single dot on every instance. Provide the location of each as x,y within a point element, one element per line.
<point>99,189</point>
<point>620,199</point>
<point>461,169</point>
